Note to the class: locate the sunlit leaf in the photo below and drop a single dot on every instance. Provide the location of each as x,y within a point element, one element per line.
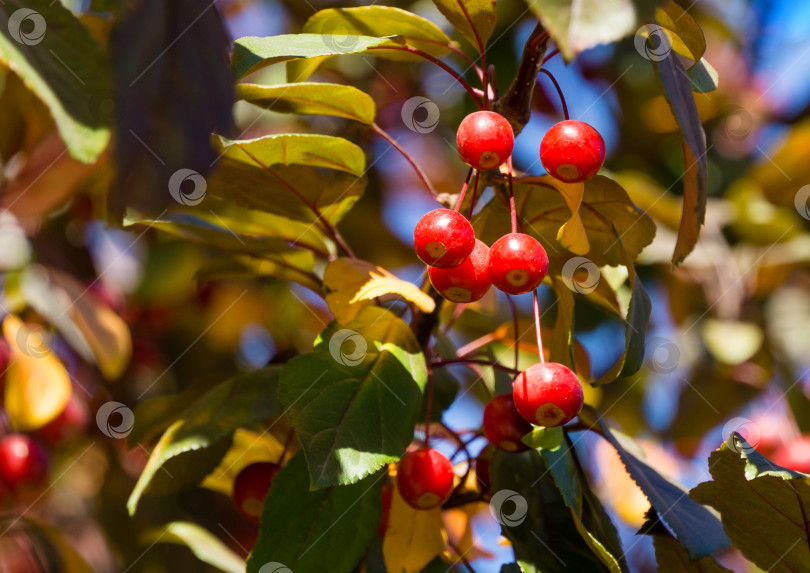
<point>311,99</point>
<point>376,21</point>
<point>37,385</point>
<point>247,448</point>
<point>304,530</point>
<point>686,38</point>
<point>194,445</point>
<point>31,32</point>
<point>577,25</point>
<point>205,546</point>
<point>704,77</point>
<point>252,53</point>
<point>413,537</point>
<point>92,328</point>
<point>474,19</point>
<point>606,211</point>
<point>291,175</point>
<point>763,506</point>
<point>353,401</point>
<point>352,284</point>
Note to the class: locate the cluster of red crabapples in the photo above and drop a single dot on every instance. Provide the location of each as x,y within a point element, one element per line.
<point>462,268</point>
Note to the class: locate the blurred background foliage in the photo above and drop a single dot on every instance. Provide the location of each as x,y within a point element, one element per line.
<point>728,338</point>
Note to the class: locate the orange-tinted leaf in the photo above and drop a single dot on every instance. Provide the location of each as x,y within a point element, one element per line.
<point>352,284</point>
<point>37,384</point>
<point>413,538</point>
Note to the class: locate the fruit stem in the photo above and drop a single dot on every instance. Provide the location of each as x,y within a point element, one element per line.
<point>407,156</point>
<point>537,327</point>
<point>551,55</point>
<point>512,207</point>
<point>439,63</point>
<point>515,326</point>
<point>464,189</point>
<point>461,556</point>
<point>471,347</point>
<point>559,91</point>
<point>481,50</point>
<point>474,196</point>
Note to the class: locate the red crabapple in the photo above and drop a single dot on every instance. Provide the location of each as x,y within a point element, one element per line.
<point>794,455</point>
<point>425,478</point>
<point>23,462</point>
<point>251,486</point>
<point>548,394</point>
<point>503,425</point>
<point>517,263</point>
<point>485,140</point>
<point>572,151</point>
<point>443,238</point>
<point>467,282</point>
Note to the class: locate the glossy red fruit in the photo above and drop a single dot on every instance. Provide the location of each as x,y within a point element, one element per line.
<point>794,455</point>
<point>485,140</point>
<point>503,425</point>
<point>251,486</point>
<point>71,423</point>
<point>517,263</point>
<point>547,394</point>
<point>467,282</point>
<point>425,478</point>
<point>386,494</point>
<point>23,462</point>
<point>572,151</point>
<point>443,238</point>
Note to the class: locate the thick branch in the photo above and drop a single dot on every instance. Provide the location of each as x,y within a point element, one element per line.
<point>516,103</point>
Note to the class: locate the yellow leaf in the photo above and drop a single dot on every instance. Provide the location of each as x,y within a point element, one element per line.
<point>105,332</point>
<point>572,235</point>
<point>247,448</point>
<point>352,284</point>
<point>70,561</point>
<point>685,37</point>
<point>37,385</point>
<point>413,538</point>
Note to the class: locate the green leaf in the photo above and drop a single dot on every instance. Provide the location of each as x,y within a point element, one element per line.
<point>445,389</point>
<point>635,330</point>
<point>206,547</point>
<point>305,530</point>
<point>283,174</point>
<point>550,438</point>
<point>195,443</point>
<point>353,401</point>
<point>763,506</point>
<point>561,348</point>
<point>703,76</point>
<point>375,21</point>
<point>535,518</point>
<point>311,99</point>
<point>589,516</point>
<point>253,53</point>
<point>294,266</point>
<point>606,211</point>
<point>695,526</point>
<point>678,92</point>
<point>475,19</point>
<point>60,62</point>
<point>272,256</point>
<point>576,25</point>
